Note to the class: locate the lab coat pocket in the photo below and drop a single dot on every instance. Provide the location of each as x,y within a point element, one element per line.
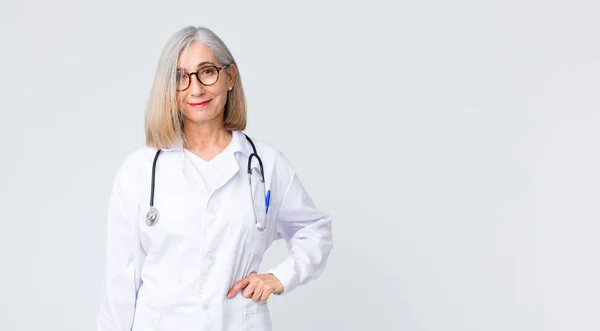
<point>242,218</point>
<point>257,240</point>
<point>258,317</point>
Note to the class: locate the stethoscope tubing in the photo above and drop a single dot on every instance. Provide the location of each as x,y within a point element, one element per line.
<point>153,214</point>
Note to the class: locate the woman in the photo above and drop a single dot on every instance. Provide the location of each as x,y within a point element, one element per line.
<point>187,224</point>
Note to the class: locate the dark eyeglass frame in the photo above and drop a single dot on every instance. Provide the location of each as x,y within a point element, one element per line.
<point>195,73</point>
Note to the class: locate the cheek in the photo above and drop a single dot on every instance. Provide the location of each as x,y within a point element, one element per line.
<point>180,98</point>
<point>219,95</point>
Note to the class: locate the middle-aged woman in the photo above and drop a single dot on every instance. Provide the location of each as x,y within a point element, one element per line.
<point>192,213</point>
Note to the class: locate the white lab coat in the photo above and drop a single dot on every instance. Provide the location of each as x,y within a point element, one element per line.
<point>175,275</point>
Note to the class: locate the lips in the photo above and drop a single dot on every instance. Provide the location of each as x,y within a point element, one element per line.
<point>199,104</point>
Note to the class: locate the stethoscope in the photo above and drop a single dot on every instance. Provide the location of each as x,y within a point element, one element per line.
<point>153,215</point>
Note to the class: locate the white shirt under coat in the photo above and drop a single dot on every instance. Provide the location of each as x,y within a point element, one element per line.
<point>175,275</point>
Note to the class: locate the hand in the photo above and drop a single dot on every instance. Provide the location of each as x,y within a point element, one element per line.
<point>256,286</point>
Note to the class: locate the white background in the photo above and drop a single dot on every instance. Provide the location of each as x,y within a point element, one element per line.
<point>454,142</point>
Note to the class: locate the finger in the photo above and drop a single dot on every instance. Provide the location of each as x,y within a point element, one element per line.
<point>267,290</point>
<point>238,286</point>
<point>258,291</point>
<point>249,290</point>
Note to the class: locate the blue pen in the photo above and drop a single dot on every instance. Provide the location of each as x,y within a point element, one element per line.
<point>267,199</point>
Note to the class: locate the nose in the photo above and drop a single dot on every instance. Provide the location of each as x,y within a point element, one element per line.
<point>196,88</point>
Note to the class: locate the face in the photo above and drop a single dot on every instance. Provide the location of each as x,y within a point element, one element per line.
<point>200,103</point>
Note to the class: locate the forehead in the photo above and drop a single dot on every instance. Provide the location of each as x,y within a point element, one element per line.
<point>193,55</point>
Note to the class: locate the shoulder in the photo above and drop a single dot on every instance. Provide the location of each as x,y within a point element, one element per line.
<point>270,154</point>
<point>278,168</point>
<point>137,159</point>
<point>133,167</point>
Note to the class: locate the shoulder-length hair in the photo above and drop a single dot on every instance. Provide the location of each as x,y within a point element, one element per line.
<point>164,121</point>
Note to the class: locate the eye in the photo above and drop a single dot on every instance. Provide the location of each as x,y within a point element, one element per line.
<point>209,71</point>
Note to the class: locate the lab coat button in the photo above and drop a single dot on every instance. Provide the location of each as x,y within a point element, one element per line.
<point>206,306</point>
<point>210,257</point>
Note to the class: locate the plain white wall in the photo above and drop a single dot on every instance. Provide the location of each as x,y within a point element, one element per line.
<point>454,142</point>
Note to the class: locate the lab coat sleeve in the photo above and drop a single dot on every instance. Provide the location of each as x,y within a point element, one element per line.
<point>308,233</point>
<point>123,256</point>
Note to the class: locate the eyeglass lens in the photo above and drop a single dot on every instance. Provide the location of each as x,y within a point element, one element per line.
<point>206,76</point>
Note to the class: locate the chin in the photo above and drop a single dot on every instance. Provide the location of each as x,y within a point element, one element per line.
<point>200,115</point>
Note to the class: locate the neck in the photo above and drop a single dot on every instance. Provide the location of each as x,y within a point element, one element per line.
<point>206,139</point>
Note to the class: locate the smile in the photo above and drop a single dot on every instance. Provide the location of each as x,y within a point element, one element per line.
<point>200,104</point>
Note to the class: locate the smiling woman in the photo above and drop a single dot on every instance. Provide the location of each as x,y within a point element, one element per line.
<point>223,199</point>
<point>203,99</point>
<point>196,69</point>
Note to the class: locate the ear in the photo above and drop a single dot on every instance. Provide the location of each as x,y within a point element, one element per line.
<point>233,72</point>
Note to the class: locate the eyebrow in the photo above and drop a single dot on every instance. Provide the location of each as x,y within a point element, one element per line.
<point>201,64</point>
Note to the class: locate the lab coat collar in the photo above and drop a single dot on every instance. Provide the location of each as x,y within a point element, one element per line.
<point>175,146</point>
<point>242,144</point>
<point>241,147</point>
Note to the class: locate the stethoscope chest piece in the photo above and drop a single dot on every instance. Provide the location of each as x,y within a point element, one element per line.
<point>152,216</point>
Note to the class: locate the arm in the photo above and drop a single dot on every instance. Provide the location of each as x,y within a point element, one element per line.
<point>308,234</point>
<point>124,255</point>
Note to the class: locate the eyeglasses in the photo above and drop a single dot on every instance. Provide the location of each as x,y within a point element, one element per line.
<point>207,76</point>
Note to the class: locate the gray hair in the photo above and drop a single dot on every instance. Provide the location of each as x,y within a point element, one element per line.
<point>164,124</point>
